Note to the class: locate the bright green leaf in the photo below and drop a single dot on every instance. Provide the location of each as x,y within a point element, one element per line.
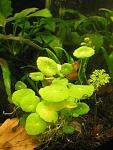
<point>81,91</point>
<point>25,13</point>
<point>46,113</point>
<point>54,93</point>
<point>41,13</point>
<point>19,95</point>
<point>29,104</point>
<point>35,125</point>
<point>47,66</point>
<point>66,68</point>
<point>36,76</point>
<point>20,85</point>
<point>84,52</point>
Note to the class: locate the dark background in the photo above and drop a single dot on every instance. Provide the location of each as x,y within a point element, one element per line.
<point>19,5</point>
<point>85,6</point>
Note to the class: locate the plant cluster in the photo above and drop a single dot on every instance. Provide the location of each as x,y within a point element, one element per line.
<point>55,95</point>
<point>52,91</point>
<point>99,78</point>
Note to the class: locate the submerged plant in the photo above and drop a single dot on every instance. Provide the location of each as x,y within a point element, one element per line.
<point>53,97</point>
<point>99,78</point>
<point>83,53</point>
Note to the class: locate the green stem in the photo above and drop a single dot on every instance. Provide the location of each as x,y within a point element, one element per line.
<point>20,39</point>
<point>6,77</point>
<point>82,71</point>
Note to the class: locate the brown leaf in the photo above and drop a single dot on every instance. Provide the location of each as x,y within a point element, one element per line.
<point>15,139</point>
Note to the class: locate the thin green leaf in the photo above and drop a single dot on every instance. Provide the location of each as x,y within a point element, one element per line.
<point>60,49</point>
<point>52,55</point>
<point>25,13</point>
<point>41,13</point>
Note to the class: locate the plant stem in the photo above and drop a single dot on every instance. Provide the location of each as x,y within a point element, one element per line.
<point>82,71</point>
<point>20,39</point>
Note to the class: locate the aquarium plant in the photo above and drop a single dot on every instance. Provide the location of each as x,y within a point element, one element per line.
<point>57,90</point>
<point>99,78</point>
<point>54,94</point>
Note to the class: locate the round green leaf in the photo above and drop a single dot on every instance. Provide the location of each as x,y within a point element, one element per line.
<point>54,93</point>
<point>47,66</point>
<point>66,68</point>
<point>36,76</point>
<point>81,91</point>
<point>20,85</point>
<point>81,109</point>
<point>46,113</point>
<point>22,94</point>
<point>29,104</point>
<point>84,52</point>
<point>35,125</point>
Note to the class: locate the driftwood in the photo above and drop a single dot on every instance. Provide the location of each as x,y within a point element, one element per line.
<point>13,137</point>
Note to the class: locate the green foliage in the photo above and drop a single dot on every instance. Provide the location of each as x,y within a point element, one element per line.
<point>5,8</point>
<point>22,119</point>
<point>66,68</point>
<point>26,99</point>
<point>20,85</point>
<point>84,52</point>
<point>81,91</point>
<point>60,81</point>
<point>53,93</point>
<point>109,61</point>
<point>94,40</point>
<point>42,13</point>
<point>81,109</point>
<point>54,96</point>
<point>36,76</point>
<point>99,78</point>
<point>32,12</point>
<point>35,125</point>
<point>68,130</point>
<point>51,66</point>
<point>46,112</point>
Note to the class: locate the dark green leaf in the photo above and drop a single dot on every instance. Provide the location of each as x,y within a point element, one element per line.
<point>68,130</point>
<point>5,8</point>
